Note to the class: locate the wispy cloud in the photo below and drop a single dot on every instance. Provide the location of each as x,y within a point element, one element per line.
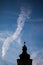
<point>24,14</point>
<point>3,35</point>
<point>37,57</point>
<point>36,20</point>
<point>18,40</point>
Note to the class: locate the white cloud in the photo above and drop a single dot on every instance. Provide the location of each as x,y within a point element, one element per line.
<point>24,14</point>
<point>37,57</point>
<point>18,40</point>
<point>3,35</point>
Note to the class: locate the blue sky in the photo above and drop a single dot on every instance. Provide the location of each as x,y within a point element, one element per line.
<point>31,31</point>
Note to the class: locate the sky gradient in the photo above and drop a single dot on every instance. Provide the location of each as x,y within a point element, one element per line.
<point>25,16</point>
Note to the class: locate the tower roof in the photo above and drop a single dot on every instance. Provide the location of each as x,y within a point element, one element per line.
<point>24,54</point>
<point>24,57</point>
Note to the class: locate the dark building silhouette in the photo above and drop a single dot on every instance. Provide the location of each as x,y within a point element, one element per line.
<point>24,57</point>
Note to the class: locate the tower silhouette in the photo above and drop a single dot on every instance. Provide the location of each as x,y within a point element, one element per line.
<point>24,57</point>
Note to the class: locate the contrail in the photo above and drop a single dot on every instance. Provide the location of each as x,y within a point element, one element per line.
<point>24,14</point>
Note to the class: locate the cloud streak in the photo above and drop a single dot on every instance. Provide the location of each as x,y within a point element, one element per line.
<point>3,35</point>
<point>24,14</point>
<point>37,57</point>
<point>36,20</point>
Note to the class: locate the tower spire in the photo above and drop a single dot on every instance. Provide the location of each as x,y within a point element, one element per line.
<point>24,48</point>
<point>24,43</point>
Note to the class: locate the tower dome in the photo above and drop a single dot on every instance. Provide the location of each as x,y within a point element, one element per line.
<point>24,57</point>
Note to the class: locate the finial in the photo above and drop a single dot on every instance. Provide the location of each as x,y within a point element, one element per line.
<point>24,43</point>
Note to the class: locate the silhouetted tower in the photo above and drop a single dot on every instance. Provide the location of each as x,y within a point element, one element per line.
<point>24,57</point>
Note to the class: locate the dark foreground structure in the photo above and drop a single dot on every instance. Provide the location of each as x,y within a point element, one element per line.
<point>24,57</point>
